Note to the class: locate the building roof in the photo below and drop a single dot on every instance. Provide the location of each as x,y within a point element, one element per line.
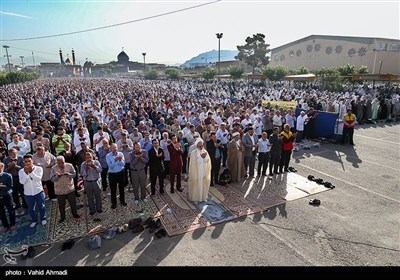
<point>363,40</point>
<point>123,57</point>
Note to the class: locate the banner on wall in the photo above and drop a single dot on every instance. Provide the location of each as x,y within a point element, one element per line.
<point>279,104</point>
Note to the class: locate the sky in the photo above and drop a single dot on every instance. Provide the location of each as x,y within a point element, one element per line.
<point>172,32</point>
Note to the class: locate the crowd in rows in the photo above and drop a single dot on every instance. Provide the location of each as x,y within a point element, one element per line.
<point>117,133</point>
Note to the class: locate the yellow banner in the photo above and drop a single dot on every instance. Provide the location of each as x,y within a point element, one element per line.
<point>279,104</point>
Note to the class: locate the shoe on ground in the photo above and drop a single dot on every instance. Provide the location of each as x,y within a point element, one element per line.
<point>77,216</point>
<point>33,224</point>
<point>113,206</point>
<point>92,213</point>
<point>77,195</point>
<point>145,200</point>
<point>54,199</point>
<point>123,203</point>
<point>315,202</point>
<point>44,222</point>
<point>136,202</point>
<point>61,220</point>
<point>12,228</point>
<point>100,211</point>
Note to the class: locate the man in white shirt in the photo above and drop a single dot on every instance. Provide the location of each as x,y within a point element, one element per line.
<point>300,125</point>
<point>17,145</point>
<point>99,137</point>
<point>263,154</point>
<point>31,177</point>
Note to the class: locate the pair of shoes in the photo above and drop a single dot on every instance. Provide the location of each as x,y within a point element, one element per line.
<point>329,185</point>
<point>160,233</point>
<point>172,191</point>
<point>61,220</point>
<point>33,224</point>
<point>44,222</point>
<point>315,202</point>
<point>113,206</point>
<point>12,228</point>
<point>123,203</point>
<point>76,216</point>
<point>4,230</point>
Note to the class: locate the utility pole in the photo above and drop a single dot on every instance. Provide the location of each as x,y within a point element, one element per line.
<point>144,63</point>
<point>33,59</point>
<point>22,61</point>
<point>219,36</point>
<point>8,57</point>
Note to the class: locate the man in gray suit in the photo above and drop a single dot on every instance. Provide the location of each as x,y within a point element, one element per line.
<point>250,142</point>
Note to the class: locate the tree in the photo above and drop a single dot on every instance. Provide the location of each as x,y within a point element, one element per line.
<point>363,70</point>
<point>254,52</point>
<point>151,75</point>
<point>235,72</point>
<point>172,73</point>
<point>275,73</point>
<point>209,73</point>
<point>301,70</point>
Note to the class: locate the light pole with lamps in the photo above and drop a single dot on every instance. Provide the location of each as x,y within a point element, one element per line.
<point>8,57</point>
<point>144,62</point>
<point>33,59</point>
<point>22,60</point>
<point>219,36</point>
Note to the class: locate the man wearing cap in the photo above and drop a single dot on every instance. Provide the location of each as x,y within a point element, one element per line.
<point>200,173</point>
<point>300,126</point>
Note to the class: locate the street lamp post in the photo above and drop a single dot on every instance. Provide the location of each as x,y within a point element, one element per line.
<point>22,61</point>
<point>144,62</point>
<point>8,57</point>
<point>33,59</point>
<point>219,36</point>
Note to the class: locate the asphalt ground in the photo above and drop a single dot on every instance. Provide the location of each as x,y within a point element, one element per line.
<point>357,223</point>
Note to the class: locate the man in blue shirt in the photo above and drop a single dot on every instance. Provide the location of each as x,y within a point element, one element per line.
<point>116,164</point>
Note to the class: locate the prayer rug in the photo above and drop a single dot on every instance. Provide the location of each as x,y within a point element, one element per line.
<point>24,234</point>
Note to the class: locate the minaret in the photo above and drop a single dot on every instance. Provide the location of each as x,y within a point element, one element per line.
<point>73,57</point>
<point>61,58</point>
